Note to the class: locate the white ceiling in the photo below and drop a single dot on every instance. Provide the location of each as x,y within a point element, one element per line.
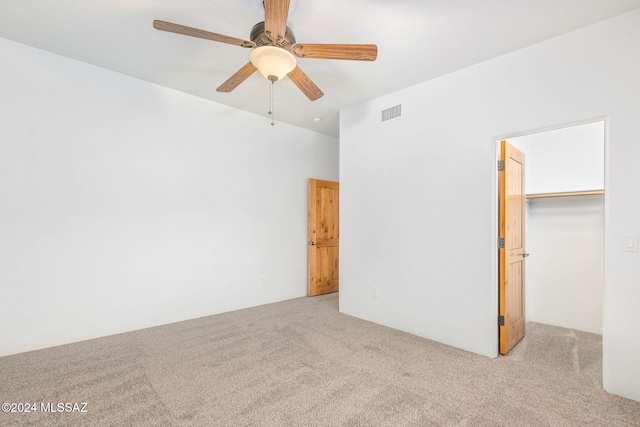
<point>417,40</point>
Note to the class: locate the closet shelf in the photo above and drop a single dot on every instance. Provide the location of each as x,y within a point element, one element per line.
<point>567,194</point>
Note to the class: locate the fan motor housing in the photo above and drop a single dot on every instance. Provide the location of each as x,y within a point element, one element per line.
<point>260,37</point>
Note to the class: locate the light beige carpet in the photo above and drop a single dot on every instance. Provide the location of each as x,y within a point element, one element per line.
<point>301,363</point>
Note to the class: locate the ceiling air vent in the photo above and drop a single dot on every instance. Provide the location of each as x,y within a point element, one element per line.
<point>391,113</point>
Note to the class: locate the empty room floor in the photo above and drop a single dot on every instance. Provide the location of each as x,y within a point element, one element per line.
<point>301,362</point>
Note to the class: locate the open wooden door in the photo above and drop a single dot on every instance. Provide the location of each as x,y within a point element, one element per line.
<point>324,235</point>
<point>511,318</point>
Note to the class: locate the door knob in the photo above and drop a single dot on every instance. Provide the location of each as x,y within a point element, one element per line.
<point>313,243</point>
<point>524,255</point>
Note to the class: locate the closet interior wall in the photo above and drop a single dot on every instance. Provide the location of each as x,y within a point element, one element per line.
<point>564,233</point>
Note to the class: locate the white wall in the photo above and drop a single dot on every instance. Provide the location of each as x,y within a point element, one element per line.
<point>565,272</point>
<point>125,205</point>
<point>564,160</point>
<point>419,192</point>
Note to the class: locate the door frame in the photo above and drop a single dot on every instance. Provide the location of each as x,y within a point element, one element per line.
<point>495,226</point>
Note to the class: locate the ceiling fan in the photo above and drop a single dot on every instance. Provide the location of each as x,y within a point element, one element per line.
<point>274,49</point>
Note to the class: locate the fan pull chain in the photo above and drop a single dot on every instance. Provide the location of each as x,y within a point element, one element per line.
<point>271,102</point>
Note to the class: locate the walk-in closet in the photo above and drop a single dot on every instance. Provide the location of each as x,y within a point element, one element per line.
<point>564,183</point>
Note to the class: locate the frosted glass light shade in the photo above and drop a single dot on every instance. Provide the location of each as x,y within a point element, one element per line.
<point>273,62</point>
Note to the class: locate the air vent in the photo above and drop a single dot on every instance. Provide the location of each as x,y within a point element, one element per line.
<point>391,113</point>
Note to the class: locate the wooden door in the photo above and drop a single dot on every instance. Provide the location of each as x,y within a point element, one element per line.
<point>511,318</point>
<point>324,235</point>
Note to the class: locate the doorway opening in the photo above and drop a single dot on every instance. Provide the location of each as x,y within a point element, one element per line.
<point>564,225</point>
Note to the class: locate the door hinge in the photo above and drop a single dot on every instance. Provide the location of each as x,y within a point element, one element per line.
<point>500,242</point>
<point>500,165</point>
<point>500,320</point>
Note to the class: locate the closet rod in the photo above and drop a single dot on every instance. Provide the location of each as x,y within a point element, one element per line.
<point>569,194</point>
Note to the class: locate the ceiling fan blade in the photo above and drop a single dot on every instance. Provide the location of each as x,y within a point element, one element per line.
<point>241,75</point>
<point>275,18</point>
<point>194,32</point>
<point>357,52</point>
<point>305,84</point>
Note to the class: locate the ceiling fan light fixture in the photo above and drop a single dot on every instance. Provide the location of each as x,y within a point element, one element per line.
<point>273,62</point>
